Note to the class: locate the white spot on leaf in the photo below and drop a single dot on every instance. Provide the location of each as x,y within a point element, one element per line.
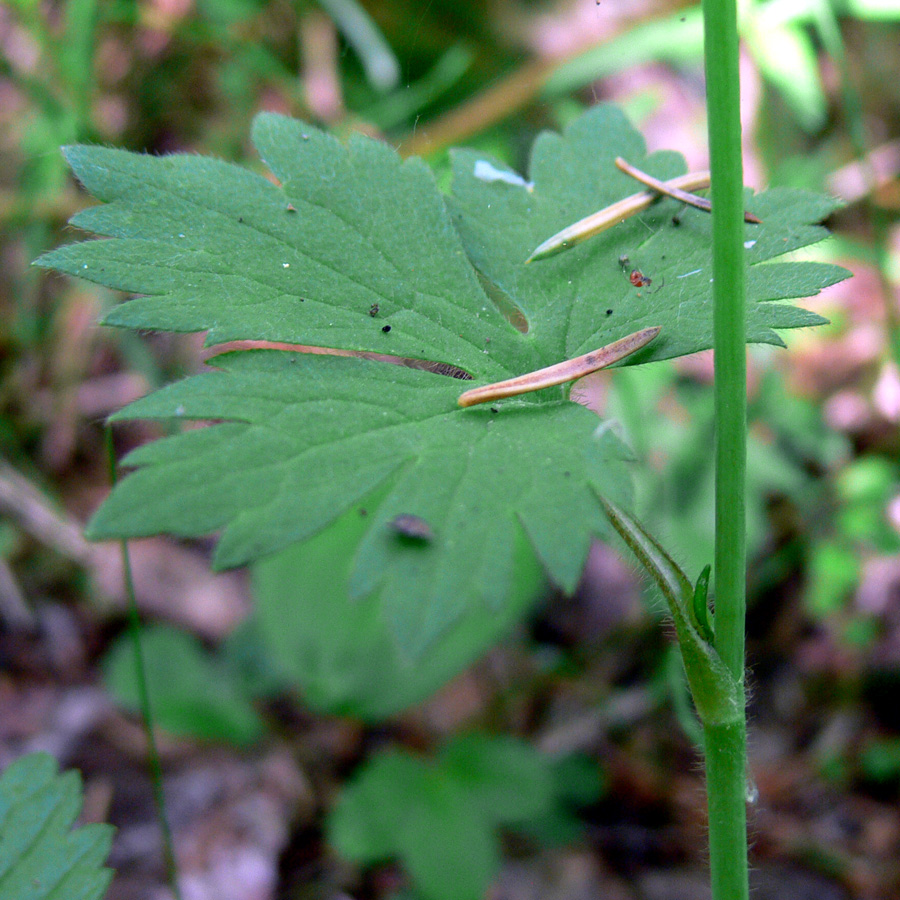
<point>485,171</point>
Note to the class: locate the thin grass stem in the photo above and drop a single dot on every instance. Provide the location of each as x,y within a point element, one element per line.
<point>134,627</point>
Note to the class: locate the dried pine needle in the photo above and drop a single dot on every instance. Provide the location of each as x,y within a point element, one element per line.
<point>562,372</point>
<point>613,215</point>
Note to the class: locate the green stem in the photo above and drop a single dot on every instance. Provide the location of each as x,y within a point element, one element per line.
<point>134,627</point>
<point>727,797</point>
<point>726,743</point>
<point>361,32</point>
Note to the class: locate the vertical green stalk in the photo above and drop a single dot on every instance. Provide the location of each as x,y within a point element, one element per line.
<point>134,626</point>
<point>726,743</point>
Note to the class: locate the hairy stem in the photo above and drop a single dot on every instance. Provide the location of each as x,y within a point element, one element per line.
<point>726,743</point>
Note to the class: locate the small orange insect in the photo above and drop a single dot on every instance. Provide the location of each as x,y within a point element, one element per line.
<point>639,279</point>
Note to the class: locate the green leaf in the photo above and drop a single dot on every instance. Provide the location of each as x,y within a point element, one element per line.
<point>399,806</point>
<point>481,480</point>
<point>40,857</point>
<point>786,57</point>
<point>583,299</point>
<point>440,819</point>
<point>507,779</point>
<point>342,652</point>
<point>363,823</point>
<point>356,249</point>
<point>446,842</point>
<point>191,692</point>
<point>217,248</point>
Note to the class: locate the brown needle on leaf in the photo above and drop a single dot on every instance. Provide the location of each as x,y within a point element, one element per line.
<point>679,188</point>
<point>613,215</point>
<point>561,372</point>
<point>671,191</point>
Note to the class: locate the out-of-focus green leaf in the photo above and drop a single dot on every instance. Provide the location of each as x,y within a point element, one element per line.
<point>865,487</point>
<point>363,824</point>
<point>440,819</point>
<point>786,57</point>
<point>880,759</point>
<point>191,692</point>
<point>341,651</point>
<point>399,806</point>
<point>676,39</point>
<point>505,777</point>
<point>41,857</point>
<point>833,575</point>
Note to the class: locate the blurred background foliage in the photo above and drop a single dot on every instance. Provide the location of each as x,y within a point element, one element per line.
<point>821,87</point>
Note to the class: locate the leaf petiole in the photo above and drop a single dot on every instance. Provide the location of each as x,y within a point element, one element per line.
<point>562,372</point>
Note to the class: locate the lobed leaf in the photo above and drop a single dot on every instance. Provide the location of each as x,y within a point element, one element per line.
<point>441,817</point>
<point>306,436</point>
<point>357,250</point>
<point>41,857</point>
<point>340,651</point>
<point>191,692</point>
<point>583,298</point>
<point>216,248</point>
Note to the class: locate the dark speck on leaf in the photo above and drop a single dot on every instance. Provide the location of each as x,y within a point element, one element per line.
<point>494,410</point>
<point>385,328</point>
<point>412,527</point>
<point>240,218</point>
<point>373,310</point>
<point>363,512</point>
<point>609,312</point>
